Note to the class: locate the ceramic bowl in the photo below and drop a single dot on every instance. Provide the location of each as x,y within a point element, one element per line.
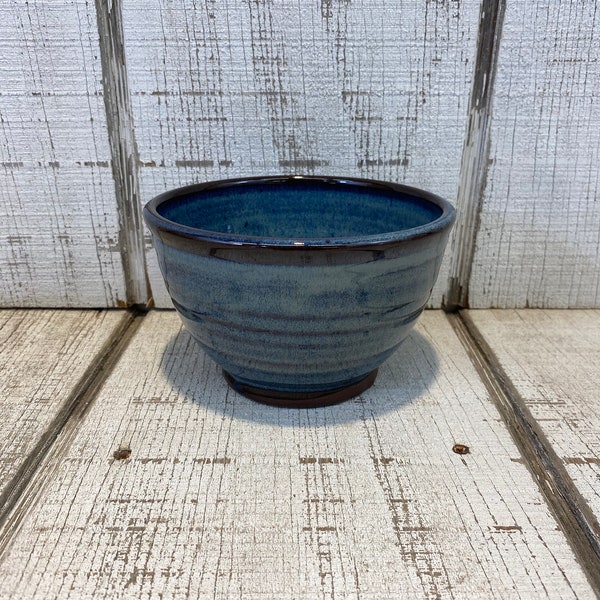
<point>299,287</point>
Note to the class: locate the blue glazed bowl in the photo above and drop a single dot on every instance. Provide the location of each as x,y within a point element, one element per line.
<point>299,287</point>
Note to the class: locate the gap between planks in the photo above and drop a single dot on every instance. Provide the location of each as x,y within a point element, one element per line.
<point>123,146</point>
<point>22,491</point>
<point>473,164</point>
<point>570,509</point>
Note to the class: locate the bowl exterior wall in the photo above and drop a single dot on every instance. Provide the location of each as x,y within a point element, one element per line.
<point>299,320</point>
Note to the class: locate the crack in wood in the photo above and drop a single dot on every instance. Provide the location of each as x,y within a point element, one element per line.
<point>576,519</point>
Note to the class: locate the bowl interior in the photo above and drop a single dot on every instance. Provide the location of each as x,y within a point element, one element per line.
<point>301,209</point>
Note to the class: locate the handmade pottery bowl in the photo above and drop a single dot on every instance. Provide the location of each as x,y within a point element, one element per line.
<point>299,287</point>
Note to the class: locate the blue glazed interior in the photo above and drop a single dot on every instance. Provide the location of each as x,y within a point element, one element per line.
<point>299,209</point>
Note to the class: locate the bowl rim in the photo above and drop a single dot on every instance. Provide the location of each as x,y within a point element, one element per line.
<point>157,222</point>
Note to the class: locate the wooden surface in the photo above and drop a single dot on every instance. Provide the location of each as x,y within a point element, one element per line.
<point>369,89</point>
<point>553,358</point>
<point>59,233</point>
<point>538,243</point>
<point>217,497</point>
<point>43,357</point>
<point>103,105</point>
<point>125,159</point>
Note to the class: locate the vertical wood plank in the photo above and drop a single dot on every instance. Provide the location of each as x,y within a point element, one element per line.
<point>125,162</point>
<point>373,89</point>
<point>474,160</point>
<point>539,240</point>
<point>59,234</point>
<point>219,497</point>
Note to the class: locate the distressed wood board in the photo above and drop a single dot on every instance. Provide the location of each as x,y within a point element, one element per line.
<point>59,233</point>
<point>222,497</point>
<point>43,356</point>
<point>369,89</point>
<point>552,357</point>
<point>539,238</point>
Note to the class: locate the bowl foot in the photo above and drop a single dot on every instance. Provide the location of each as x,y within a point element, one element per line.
<point>301,399</point>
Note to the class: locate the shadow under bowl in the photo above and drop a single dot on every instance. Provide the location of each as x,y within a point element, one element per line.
<point>299,287</point>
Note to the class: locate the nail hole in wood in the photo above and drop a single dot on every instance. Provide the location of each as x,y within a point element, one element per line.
<point>122,452</point>
<point>460,449</point>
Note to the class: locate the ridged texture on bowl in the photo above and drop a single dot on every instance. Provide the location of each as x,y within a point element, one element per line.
<point>299,284</point>
<point>320,323</point>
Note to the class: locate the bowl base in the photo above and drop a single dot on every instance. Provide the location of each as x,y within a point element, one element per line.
<point>301,399</point>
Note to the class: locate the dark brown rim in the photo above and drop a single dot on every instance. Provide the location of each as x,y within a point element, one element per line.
<point>301,399</point>
<point>158,223</point>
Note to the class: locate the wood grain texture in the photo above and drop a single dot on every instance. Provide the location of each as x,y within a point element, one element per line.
<point>58,225</point>
<point>539,238</point>
<point>475,154</point>
<point>43,356</point>
<point>125,161</point>
<point>219,497</point>
<point>553,360</point>
<point>373,89</point>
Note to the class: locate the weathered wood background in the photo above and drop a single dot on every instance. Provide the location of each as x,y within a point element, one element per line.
<point>494,107</point>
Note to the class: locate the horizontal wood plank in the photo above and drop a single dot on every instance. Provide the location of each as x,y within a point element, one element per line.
<point>552,357</point>
<point>43,356</point>
<point>177,487</point>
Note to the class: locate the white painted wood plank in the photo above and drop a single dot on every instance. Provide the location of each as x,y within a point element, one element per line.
<point>43,356</point>
<point>221,497</point>
<point>373,89</point>
<point>59,239</point>
<point>539,239</point>
<point>552,358</point>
